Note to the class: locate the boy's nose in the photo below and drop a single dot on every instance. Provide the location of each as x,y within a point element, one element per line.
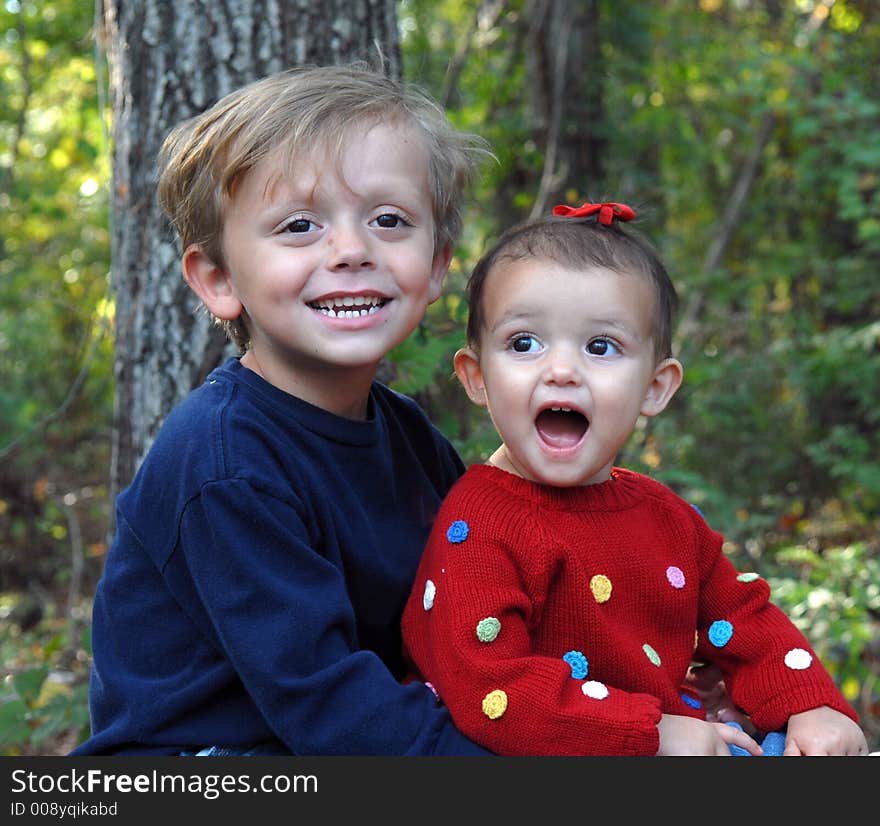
<point>349,248</point>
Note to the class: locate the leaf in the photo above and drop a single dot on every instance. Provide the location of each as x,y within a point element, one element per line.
<point>28,684</point>
<point>13,722</point>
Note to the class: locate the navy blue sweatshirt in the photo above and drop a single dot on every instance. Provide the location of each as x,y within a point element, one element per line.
<point>262,558</point>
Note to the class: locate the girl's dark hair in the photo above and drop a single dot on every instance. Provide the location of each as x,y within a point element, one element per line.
<point>579,244</point>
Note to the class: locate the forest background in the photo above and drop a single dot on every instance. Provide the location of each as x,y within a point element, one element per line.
<point>744,132</point>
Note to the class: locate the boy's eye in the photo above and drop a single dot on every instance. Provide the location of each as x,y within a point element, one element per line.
<point>524,344</point>
<point>298,225</point>
<point>602,347</point>
<point>390,220</point>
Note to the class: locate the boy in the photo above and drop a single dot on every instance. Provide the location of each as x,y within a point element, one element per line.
<point>561,599</point>
<point>251,599</point>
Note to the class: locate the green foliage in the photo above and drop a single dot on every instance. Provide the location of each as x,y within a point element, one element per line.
<point>778,414</point>
<point>834,598</point>
<point>54,247</point>
<point>776,425</point>
<point>55,352</point>
<point>44,696</point>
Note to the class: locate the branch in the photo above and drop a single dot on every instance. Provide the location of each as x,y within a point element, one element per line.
<point>41,425</point>
<point>77,562</point>
<point>727,226</point>
<point>512,57</point>
<point>733,211</point>
<point>549,178</point>
<point>491,10</point>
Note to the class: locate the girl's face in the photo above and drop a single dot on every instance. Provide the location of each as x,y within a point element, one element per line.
<point>566,366</point>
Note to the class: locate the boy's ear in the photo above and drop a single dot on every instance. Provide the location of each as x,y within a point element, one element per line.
<point>210,283</point>
<point>668,375</point>
<point>467,368</point>
<point>439,268</point>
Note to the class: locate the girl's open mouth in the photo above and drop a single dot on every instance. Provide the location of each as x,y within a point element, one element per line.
<point>561,427</point>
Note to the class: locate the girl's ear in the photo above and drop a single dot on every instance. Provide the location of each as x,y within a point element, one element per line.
<point>467,368</point>
<point>668,375</point>
<point>210,283</point>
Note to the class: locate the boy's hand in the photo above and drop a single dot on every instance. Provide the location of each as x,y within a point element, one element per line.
<point>687,736</point>
<point>823,731</point>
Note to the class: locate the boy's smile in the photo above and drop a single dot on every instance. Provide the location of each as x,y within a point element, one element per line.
<point>566,366</point>
<point>331,264</point>
<point>347,306</point>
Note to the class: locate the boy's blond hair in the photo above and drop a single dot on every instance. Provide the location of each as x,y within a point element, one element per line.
<point>304,110</point>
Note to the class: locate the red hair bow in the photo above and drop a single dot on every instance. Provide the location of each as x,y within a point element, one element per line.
<point>607,212</point>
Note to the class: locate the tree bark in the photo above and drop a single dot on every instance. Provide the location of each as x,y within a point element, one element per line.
<point>169,61</point>
<point>566,101</point>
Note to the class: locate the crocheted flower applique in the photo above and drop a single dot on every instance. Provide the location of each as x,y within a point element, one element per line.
<point>430,593</point>
<point>798,660</point>
<point>594,690</point>
<point>720,633</point>
<point>495,704</point>
<point>488,629</point>
<point>600,585</point>
<point>675,576</point>
<point>578,664</point>
<point>458,531</point>
<point>651,654</point>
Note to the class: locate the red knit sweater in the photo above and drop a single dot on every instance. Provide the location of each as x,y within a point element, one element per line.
<point>562,621</point>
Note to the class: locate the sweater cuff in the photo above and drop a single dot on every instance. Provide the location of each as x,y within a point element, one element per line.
<point>774,714</point>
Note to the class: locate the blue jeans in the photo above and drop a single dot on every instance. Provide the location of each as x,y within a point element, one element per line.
<point>261,750</point>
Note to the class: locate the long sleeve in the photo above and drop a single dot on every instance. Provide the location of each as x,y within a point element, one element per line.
<point>770,669</point>
<point>471,629</point>
<point>281,615</point>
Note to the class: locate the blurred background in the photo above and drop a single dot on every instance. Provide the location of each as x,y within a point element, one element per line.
<point>743,132</point>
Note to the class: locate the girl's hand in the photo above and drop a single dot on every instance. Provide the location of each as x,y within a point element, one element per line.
<point>823,731</point>
<point>687,736</point>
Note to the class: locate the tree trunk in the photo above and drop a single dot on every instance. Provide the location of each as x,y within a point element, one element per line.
<point>168,62</point>
<point>566,98</point>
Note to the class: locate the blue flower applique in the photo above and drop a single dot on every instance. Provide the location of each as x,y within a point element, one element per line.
<point>578,663</point>
<point>720,633</point>
<point>458,531</point>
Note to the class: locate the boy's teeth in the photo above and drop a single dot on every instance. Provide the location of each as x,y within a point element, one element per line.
<point>349,306</point>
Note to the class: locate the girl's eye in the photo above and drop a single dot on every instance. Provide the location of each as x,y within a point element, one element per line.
<point>390,220</point>
<point>524,344</point>
<point>602,347</point>
<point>298,225</point>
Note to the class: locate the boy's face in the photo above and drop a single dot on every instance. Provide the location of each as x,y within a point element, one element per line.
<point>566,366</point>
<point>333,266</point>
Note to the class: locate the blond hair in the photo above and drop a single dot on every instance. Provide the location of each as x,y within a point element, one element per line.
<point>303,110</point>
